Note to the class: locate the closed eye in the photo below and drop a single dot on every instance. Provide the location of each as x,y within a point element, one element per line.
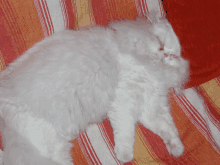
<point>161,49</point>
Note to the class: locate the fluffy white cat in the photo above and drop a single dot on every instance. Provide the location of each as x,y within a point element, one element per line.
<point>75,78</point>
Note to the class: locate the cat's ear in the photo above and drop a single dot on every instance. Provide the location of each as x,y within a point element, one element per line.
<point>154,16</point>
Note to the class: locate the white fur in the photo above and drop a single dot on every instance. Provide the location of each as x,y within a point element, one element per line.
<point>74,78</point>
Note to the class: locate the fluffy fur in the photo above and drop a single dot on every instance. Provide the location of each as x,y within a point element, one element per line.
<point>74,78</point>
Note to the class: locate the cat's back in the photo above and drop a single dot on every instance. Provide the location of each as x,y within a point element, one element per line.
<point>69,59</point>
<point>75,72</point>
<point>59,55</point>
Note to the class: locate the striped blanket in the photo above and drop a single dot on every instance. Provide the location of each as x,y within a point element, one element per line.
<point>25,22</point>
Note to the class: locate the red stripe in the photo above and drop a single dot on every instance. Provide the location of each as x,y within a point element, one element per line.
<point>6,43</point>
<point>69,14</point>
<point>109,131</point>
<point>15,32</point>
<point>99,12</point>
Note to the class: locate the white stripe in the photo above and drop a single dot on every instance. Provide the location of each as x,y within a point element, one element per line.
<point>100,146</point>
<point>56,15</point>
<point>153,5</point>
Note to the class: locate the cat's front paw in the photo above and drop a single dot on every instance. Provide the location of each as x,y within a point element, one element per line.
<point>124,153</point>
<point>175,147</point>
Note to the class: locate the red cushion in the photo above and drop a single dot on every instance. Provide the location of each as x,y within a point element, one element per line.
<point>197,24</point>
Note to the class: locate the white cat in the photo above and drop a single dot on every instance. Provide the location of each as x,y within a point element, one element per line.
<point>75,78</point>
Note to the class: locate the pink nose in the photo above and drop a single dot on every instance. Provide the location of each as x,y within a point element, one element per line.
<point>165,54</point>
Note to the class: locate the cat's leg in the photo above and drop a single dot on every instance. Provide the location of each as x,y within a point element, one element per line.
<point>157,118</point>
<point>123,124</point>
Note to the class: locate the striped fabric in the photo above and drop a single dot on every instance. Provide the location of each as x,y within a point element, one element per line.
<point>25,22</point>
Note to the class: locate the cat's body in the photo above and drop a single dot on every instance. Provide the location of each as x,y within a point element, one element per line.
<point>75,78</point>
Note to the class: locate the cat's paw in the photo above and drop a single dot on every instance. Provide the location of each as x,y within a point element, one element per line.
<point>124,153</point>
<point>175,147</point>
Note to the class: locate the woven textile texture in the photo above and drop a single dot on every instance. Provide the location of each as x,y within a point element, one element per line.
<point>25,22</point>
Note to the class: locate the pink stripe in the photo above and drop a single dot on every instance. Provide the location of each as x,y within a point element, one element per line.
<point>64,12</point>
<point>161,8</point>
<point>214,121</point>
<point>42,18</point>
<point>84,151</point>
<point>141,7</point>
<point>107,137</point>
<point>87,149</point>
<point>48,16</point>
<point>92,151</point>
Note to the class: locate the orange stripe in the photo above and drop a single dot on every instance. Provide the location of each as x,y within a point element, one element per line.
<point>116,9</point>
<point>111,12</point>
<point>197,149</point>
<point>126,9</point>
<point>84,13</point>
<point>30,27</point>
<point>200,122</point>
<point>2,62</point>
<point>143,152</point>
<point>76,153</point>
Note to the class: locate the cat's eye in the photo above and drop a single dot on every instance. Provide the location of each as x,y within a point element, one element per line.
<point>161,49</point>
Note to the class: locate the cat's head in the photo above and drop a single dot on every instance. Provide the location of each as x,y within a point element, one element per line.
<point>169,43</point>
<point>151,37</point>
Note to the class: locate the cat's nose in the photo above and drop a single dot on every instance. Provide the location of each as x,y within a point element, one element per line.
<point>165,54</point>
